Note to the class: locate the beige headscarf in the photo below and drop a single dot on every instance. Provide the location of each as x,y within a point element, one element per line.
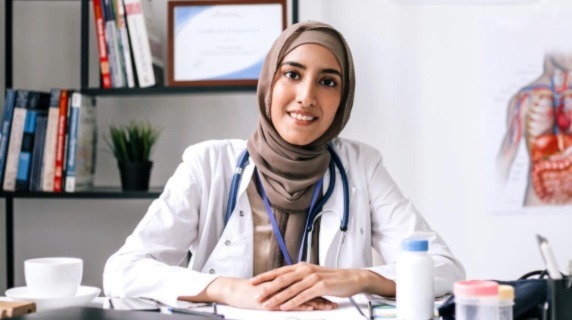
<point>289,172</point>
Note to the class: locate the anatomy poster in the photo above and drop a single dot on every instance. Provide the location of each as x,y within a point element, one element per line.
<point>527,65</point>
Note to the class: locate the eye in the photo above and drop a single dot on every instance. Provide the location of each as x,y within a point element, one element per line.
<point>291,74</point>
<point>328,82</point>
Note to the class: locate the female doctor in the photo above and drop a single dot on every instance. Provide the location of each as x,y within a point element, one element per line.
<point>286,217</point>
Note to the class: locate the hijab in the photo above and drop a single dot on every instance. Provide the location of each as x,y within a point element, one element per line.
<point>289,172</point>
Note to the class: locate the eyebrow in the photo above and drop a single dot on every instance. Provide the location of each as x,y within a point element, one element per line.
<point>303,67</point>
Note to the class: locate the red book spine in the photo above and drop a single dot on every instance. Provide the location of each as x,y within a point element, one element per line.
<point>101,44</point>
<point>60,143</point>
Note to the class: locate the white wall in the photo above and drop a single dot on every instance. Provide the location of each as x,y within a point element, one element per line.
<point>410,61</point>
<point>418,101</point>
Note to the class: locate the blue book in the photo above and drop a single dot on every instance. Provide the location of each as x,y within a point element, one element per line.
<point>15,141</point>
<point>38,103</point>
<point>82,139</point>
<point>38,153</point>
<point>9,103</point>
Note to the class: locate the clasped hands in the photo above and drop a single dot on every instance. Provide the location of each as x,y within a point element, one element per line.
<point>298,287</point>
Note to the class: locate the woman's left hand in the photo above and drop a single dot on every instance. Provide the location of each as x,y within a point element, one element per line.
<point>291,286</point>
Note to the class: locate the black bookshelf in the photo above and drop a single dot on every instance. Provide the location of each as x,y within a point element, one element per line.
<point>165,90</point>
<point>99,192</point>
<point>102,192</point>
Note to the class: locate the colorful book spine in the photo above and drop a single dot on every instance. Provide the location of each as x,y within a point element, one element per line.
<point>15,144</point>
<point>49,161</point>
<point>115,60</point>
<point>101,44</point>
<point>82,140</point>
<point>124,37</point>
<point>7,113</point>
<point>38,153</point>
<point>61,141</point>
<point>38,104</point>
<point>145,42</point>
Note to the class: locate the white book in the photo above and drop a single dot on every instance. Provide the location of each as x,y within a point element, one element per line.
<point>49,162</point>
<point>145,41</point>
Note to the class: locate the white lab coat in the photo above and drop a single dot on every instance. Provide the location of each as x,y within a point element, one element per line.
<point>189,216</point>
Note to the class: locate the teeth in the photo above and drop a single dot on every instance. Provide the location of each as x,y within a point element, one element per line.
<point>301,117</point>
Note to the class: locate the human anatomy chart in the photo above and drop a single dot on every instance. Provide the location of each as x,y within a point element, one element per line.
<point>533,156</point>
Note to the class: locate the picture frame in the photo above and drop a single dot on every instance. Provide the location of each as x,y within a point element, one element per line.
<point>221,42</point>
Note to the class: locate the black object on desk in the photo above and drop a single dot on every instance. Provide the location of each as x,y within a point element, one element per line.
<point>559,299</point>
<point>87,313</point>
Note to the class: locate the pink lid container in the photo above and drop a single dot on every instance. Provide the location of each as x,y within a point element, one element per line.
<point>476,288</point>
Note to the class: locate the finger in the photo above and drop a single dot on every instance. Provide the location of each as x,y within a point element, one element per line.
<point>284,288</point>
<point>304,296</point>
<point>270,275</point>
<point>292,290</point>
<point>320,303</point>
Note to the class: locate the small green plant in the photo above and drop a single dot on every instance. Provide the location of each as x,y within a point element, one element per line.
<point>132,142</point>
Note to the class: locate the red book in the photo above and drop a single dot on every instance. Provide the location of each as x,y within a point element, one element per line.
<point>61,141</point>
<point>101,44</point>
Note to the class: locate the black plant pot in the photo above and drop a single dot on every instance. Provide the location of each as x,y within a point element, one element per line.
<point>135,175</point>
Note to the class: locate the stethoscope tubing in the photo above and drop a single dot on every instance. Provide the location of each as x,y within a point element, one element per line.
<point>316,212</point>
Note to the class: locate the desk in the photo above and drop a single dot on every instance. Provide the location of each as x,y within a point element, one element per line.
<point>345,311</point>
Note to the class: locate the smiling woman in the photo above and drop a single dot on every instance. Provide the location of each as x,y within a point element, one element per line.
<point>304,207</point>
<point>306,93</point>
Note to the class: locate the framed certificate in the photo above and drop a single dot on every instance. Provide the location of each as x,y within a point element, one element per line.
<point>221,42</point>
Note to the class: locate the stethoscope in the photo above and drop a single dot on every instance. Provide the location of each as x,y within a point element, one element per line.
<point>315,210</point>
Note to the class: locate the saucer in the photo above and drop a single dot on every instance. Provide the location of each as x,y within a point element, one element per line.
<point>83,296</point>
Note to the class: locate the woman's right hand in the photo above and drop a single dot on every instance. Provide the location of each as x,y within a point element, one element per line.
<point>241,293</point>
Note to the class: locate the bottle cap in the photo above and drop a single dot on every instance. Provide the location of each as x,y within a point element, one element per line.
<point>414,245</point>
<point>476,288</point>
<point>506,292</point>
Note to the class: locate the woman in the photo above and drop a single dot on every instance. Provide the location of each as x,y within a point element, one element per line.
<point>305,95</point>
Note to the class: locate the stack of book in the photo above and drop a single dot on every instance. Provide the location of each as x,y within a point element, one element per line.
<point>129,44</point>
<point>47,141</point>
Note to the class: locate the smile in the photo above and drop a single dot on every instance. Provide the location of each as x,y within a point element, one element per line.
<point>299,116</point>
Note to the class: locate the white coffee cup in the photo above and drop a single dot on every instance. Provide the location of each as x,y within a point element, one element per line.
<point>53,277</point>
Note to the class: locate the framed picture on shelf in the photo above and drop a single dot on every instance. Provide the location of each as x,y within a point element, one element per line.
<point>221,42</point>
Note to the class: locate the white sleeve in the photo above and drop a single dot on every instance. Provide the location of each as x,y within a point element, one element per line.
<point>394,218</point>
<point>152,262</point>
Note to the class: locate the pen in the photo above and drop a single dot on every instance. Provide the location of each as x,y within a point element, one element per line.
<point>196,313</point>
<point>548,256</point>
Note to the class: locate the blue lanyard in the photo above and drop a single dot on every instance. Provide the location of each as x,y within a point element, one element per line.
<point>275,227</point>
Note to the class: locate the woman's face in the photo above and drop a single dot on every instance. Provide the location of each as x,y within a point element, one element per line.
<point>306,94</point>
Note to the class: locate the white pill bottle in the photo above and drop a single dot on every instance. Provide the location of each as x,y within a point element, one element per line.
<point>415,281</point>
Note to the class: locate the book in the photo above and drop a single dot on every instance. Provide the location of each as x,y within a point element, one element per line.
<point>49,161</point>
<point>38,153</point>
<point>124,40</point>
<point>8,111</point>
<point>60,140</point>
<point>145,42</point>
<point>112,37</point>
<point>39,103</point>
<point>24,100</point>
<point>82,142</point>
<point>101,45</point>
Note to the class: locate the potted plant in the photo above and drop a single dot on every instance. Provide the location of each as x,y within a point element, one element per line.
<point>132,146</point>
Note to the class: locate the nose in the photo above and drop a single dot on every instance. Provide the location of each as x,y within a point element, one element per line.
<point>306,95</point>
